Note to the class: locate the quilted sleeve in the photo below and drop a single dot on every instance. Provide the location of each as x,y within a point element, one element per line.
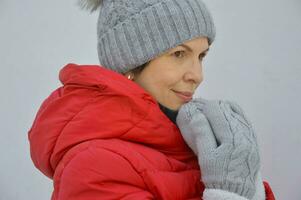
<point>99,173</point>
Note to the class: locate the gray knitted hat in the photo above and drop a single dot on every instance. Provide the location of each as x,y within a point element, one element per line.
<point>133,32</point>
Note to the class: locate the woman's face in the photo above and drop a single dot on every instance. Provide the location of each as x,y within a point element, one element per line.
<point>177,70</point>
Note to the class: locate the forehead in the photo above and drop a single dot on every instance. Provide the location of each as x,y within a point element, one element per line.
<point>197,44</point>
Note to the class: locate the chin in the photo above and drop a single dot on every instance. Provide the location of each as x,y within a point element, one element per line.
<point>171,107</point>
<point>175,107</point>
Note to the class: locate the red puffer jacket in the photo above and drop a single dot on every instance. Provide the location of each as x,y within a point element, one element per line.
<point>101,136</point>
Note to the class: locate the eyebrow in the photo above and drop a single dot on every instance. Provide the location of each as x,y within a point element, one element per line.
<point>189,49</point>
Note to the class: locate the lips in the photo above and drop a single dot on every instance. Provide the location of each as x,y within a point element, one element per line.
<point>186,96</point>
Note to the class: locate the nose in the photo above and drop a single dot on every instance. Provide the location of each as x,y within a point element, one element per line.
<point>194,73</point>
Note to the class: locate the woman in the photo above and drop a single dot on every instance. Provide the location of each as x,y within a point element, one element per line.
<point>112,131</point>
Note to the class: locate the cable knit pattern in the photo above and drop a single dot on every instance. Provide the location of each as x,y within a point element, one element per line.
<point>118,11</point>
<point>225,143</point>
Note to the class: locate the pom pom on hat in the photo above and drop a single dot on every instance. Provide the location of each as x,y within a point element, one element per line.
<point>90,5</point>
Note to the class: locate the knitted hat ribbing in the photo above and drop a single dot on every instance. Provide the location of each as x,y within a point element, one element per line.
<point>133,32</point>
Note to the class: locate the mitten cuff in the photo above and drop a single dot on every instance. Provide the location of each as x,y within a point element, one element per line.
<point>217,194</point>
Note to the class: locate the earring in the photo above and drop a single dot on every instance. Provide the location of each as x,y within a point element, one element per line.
<point>130,77</point>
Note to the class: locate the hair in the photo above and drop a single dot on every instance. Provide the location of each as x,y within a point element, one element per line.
<point>140,68</point>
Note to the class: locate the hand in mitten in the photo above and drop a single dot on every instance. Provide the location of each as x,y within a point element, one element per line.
<point>224,140</point>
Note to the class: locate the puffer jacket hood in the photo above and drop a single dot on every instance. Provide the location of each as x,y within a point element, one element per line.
<point>105,105</point>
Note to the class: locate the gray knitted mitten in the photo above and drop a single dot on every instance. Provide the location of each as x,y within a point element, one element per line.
<point>224,140</point>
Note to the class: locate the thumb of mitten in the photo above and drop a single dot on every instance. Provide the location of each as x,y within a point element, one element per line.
<point>196,129</point>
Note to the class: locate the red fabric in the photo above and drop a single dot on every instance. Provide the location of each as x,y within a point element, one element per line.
<point>268,191</point>
<point>101,135</point>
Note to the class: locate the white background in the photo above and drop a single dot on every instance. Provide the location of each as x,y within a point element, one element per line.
<point>255,60</point>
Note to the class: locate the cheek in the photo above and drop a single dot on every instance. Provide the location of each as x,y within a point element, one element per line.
<point>159,87</point>
<point>160,78</point>
<point>167,82</point>
<point>162,89</point>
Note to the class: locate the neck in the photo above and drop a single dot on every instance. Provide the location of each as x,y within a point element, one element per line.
<point>171,114</point>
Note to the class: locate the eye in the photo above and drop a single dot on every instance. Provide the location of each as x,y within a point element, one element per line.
<point>202,56</point>
<point>179,54</point>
